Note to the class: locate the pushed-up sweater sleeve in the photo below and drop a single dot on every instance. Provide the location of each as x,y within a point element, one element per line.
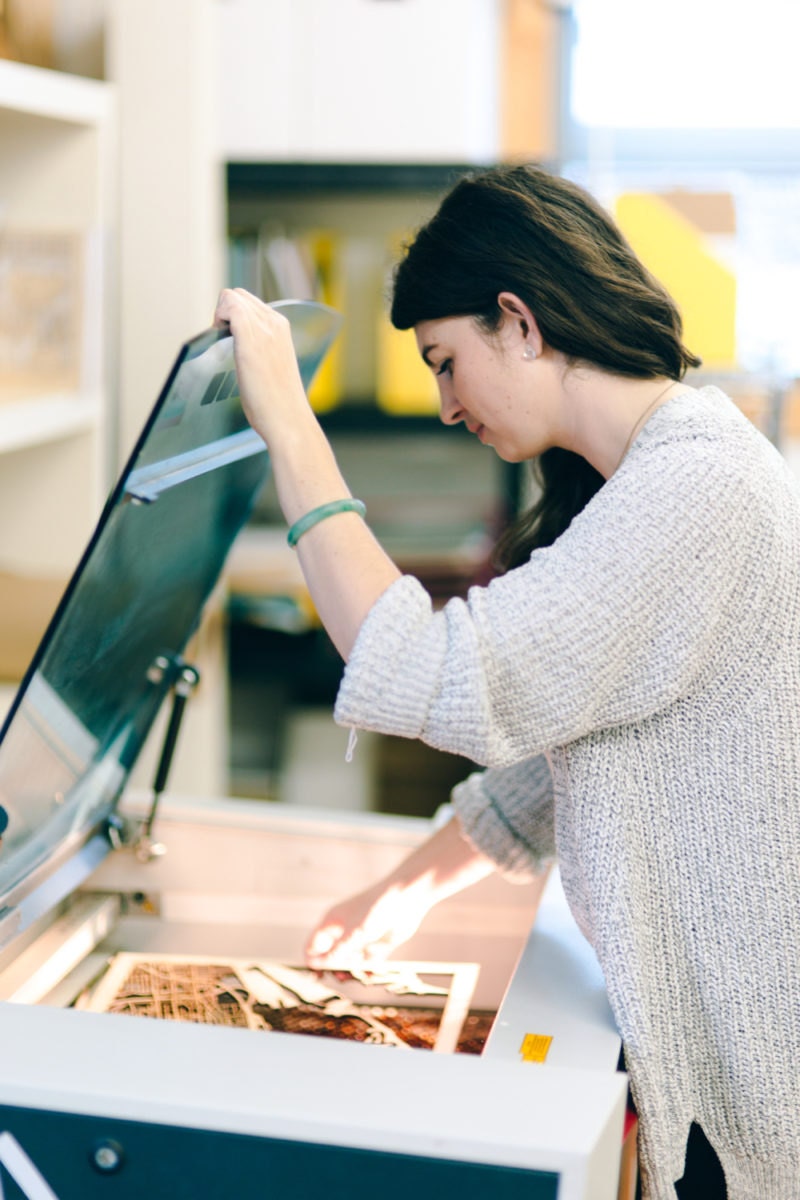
<point>508,814</point>
<point>606,626</point>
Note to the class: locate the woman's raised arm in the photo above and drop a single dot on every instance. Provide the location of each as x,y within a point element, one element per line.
<point>345,568</point>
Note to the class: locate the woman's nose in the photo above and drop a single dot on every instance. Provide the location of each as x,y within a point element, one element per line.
<point>450,411</point>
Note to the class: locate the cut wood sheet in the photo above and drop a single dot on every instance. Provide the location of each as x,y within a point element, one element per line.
<point>419,1004</point>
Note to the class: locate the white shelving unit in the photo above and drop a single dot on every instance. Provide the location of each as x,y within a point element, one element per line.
<point>56,176</point>
<point>46,419</point>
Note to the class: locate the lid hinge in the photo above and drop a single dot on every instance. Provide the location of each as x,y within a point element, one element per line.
<point>145,847</point>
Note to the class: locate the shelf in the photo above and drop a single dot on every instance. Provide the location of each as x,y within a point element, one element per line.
<point>256,178</point>
<point>37,422</point>
<point>57,151</point>
<point>52,94</point>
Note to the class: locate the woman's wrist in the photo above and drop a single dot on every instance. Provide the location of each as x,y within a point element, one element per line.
<point>305,471</point>
<point>442,866</point>
<point>289,438</point>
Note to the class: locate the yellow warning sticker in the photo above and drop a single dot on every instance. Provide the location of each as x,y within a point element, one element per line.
<point>534,1047</point>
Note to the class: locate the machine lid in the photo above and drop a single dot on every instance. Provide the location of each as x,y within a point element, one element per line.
<point>113,648</point>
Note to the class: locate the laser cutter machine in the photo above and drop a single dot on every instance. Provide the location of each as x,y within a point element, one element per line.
<point>102,1104</point>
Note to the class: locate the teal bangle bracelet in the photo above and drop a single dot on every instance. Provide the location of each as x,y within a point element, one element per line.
<point>320,514</point>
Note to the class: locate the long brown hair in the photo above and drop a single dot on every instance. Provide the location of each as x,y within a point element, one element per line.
<point>525,230</point>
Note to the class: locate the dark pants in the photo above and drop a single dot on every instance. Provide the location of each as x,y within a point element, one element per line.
<point>702,1175</point>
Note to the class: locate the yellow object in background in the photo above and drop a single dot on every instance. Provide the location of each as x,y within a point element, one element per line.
<point>329,287</point>
<point>280,264</point>
<point>326,389</point>
<point>404,385</point>
<point>678,253</point>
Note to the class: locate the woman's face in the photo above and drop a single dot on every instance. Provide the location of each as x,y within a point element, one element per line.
<point>484,381</point>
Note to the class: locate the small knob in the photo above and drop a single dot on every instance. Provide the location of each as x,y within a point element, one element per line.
<point>106,1156</point>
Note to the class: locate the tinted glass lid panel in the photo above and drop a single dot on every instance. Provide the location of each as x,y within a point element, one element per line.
<point>114,646</point>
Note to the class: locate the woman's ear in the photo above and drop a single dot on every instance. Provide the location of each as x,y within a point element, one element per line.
<point>519,321</point>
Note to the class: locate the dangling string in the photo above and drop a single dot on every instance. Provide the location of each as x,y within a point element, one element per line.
<point>351,745</point>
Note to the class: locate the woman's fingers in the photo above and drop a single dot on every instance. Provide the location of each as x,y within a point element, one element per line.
<point>364,929</point>
<point>333,948</point>
<point>266,364</point>
<point>231,303</point>
<point>322,941</point>
<point>342,936</point>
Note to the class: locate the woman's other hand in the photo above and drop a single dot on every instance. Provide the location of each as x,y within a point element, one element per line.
<point>365,928</point>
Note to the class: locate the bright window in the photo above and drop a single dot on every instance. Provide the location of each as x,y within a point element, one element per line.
<point>689,64</point>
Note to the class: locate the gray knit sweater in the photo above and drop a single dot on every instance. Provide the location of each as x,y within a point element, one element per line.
<point>634,690</point>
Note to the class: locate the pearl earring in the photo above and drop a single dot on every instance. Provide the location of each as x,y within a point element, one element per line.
<point>529,354</point>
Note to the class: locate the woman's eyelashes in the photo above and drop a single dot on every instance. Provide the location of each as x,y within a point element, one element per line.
<point>445,367</point>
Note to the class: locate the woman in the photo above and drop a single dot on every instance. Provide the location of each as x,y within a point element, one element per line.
<point>631,683</point>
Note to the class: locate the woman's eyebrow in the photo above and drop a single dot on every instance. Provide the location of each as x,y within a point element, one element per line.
<point>426,351</point>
